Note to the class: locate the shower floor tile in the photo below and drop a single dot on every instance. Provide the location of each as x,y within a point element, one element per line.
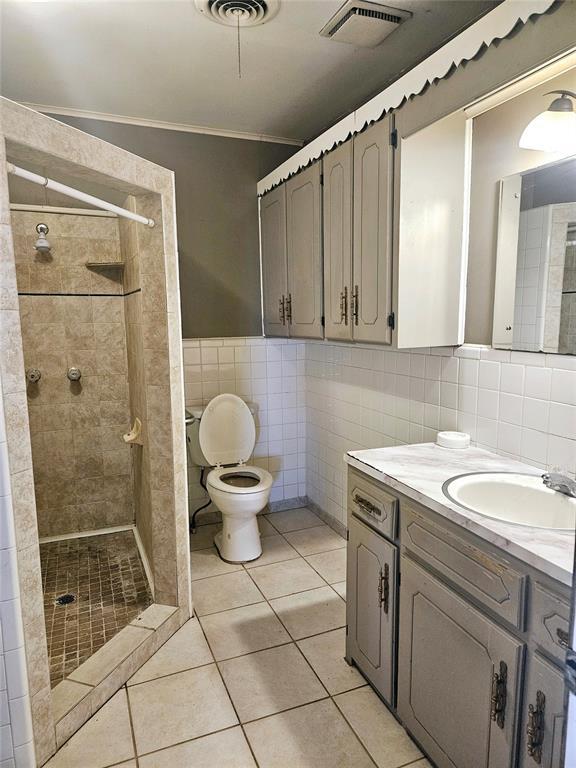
<point>106,577</point>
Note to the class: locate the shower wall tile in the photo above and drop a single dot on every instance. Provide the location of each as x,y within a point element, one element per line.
<point>77,427</point>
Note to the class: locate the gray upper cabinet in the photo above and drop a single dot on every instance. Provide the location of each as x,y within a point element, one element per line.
<point>458,676</point>
<point>371,606</point>
<point>304,251</point>
<point>337,199</point>
<point>371,298</point>
<point>274,276</point>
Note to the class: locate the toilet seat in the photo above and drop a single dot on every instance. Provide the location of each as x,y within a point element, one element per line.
<point>214,479</point>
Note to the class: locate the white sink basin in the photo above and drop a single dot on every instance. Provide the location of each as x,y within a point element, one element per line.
<point>513,498</point>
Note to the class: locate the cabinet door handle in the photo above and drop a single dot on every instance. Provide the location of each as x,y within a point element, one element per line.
<point>344,305</point>
<point>367,506</point>
<point>289,309</point>
<point>282,310</point>
<point>384,588</point>
<point>535,728</point>
<point>563,637</point>
<point>499,695</point>
<point>354,303</point>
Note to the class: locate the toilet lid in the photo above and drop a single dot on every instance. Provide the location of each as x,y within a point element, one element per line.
<point>227,432</point>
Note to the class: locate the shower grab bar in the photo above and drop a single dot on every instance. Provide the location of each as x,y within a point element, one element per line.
<point>44,181</point>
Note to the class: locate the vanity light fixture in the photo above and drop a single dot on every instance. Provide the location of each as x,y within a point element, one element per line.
<point>555,129</point>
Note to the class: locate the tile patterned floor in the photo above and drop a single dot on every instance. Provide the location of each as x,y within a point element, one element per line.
<point>106,576</point>
<point>258,680</point>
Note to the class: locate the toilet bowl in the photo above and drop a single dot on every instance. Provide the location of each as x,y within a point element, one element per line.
<point>227,435</point>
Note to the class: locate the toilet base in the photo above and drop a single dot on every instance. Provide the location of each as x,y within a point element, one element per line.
<point>239,539</point>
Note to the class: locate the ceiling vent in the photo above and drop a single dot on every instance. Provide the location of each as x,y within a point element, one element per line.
<point>363,23</point>
<point>234,13</point>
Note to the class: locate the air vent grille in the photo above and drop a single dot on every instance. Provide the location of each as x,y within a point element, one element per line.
<point>245,13</point>
<point>369,14</point>
<point>363,23</point>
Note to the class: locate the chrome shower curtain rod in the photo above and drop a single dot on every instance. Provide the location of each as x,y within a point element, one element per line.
<point>44,181</point>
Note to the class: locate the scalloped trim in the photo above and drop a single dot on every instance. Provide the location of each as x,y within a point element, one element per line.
<point>494,26</point>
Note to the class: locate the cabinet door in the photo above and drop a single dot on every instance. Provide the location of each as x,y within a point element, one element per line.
<point>303,222</point>
<point>273,234</point>
<point>541,743</point>
<point>337,208</point>
<point>452,661</point>
<point>372,255</point>
<point>371,606</point>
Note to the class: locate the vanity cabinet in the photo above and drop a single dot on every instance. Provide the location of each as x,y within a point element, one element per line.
<point>475,674</point>
<point>458,677</point>
<point>372,582</point>
<point>541,743</point>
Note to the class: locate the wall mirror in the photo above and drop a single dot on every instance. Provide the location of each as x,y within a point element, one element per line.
<point>535,293</point>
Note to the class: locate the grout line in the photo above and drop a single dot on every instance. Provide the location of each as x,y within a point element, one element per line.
<point>125,687</point>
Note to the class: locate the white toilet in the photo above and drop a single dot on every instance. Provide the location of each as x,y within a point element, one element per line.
<point>226,436</point>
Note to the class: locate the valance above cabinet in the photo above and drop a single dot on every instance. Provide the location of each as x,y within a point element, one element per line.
<point>370,245</point>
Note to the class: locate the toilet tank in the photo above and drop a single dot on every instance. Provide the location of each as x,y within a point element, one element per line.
<point>193,416</point>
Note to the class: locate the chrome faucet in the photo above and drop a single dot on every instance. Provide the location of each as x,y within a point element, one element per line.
<point>561,483</point>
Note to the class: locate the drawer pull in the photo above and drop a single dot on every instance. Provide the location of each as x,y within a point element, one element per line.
<point>535,728</point>
<point>562,636</point>
<point>367,506</point>
<point>384,588</point>
<point>499,695</point>
<point>344,305</point>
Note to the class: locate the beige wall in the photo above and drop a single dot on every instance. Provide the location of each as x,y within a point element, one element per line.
<point>82,468</point>
<point>217,219</point>
<point>496,154</point>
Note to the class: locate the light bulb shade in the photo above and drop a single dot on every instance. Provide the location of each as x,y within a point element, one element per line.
<point>551,132</point>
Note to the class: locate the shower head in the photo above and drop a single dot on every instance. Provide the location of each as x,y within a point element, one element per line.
<point>42,245</point>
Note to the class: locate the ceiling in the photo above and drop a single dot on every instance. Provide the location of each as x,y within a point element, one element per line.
<point>160,60</point>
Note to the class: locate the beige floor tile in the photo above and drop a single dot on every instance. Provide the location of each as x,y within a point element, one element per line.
<point>207,562</point>
<point>315,736</point>
<point>383,737</point>
<point>243,630</point>
<point>225,749</point>
<point>203,538</point>
<point>274,550</point>
<point>313,540</point>
<point>106,739</point>
<point>330,565</point>
<point>341,589</point>
<point>265,528</point>
<point>180,707</point>
<point>223,592</point>
<point>269,681</point>
<point>312,612</point>
<point>186,649</point>
<point>294,519</point>
<point>285,578</point>
<point>325,653</point>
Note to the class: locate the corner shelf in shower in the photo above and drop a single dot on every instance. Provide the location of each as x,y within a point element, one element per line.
<point>104,265</point>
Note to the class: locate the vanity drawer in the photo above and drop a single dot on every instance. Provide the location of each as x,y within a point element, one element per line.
<point>371,503</point>
<point>551,621</point>
<point>488,579</point>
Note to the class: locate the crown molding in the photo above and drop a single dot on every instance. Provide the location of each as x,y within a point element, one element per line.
<point>143,122</point>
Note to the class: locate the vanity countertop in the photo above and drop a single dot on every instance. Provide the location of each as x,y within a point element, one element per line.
<point>418,471</point>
